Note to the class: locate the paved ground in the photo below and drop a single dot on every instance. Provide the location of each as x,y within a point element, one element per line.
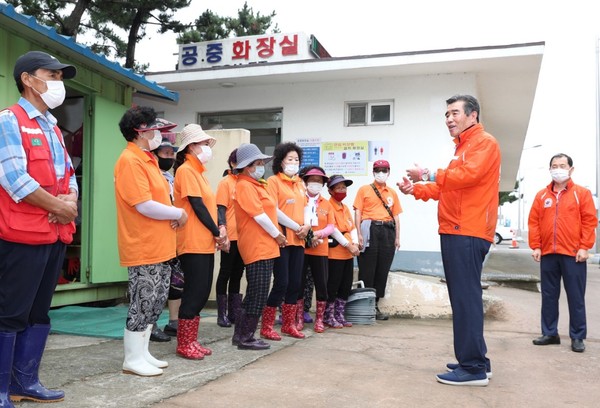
<point>389,364</point>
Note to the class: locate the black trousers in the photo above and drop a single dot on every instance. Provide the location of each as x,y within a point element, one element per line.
<point>319,269</point>
<point>28,277</point>
<point>198,273</point>
<point>374,264</point>
<point>231,271</point>
<point>339,284</point>
<point>287,276</point>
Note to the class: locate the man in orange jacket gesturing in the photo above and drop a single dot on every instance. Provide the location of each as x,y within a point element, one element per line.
<point>467,191</point>
<point>562,225</point>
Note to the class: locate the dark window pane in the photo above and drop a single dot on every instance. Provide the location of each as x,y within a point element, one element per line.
<point>380,113</point>
<point>358,115</point>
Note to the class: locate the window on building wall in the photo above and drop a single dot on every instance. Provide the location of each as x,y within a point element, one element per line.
<point>265,126</point>
<point>369,113</point>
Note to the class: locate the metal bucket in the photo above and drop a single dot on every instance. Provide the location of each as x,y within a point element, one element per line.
<point>360,308</point>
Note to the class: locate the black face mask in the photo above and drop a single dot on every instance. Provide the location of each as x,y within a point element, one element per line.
<point>165,164</point>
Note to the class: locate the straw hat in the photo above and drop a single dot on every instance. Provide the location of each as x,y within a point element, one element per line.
<point>247,153</point>
<point>193,133</point>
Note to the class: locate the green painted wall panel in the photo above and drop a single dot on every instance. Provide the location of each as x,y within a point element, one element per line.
<point>107,145</point>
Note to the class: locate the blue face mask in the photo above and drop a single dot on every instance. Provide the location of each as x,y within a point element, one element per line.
<point>258,172</point>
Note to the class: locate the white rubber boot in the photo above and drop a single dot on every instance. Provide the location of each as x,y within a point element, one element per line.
<point>135,362</point>
<point>149,358</point>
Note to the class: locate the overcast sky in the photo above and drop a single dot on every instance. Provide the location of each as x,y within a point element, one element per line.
<point>564,114</point>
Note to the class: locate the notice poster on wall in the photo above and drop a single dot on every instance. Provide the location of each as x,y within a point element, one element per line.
<point>347,158</point>
<point>311,151</point>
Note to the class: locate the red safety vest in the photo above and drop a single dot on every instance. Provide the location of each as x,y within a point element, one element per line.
<point>22,222</point>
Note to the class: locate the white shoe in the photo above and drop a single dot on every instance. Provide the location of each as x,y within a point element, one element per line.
<point>135,361</point>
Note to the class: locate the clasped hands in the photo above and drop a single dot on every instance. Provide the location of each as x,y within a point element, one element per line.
<point>68,212</point>
<point>223,243</point>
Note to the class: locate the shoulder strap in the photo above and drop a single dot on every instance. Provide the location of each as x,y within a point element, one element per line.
<point>383,202</point>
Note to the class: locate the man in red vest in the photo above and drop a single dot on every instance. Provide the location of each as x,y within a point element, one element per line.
<point>38,199</point>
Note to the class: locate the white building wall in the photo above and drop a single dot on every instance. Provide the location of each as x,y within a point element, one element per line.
<point>316,110</point>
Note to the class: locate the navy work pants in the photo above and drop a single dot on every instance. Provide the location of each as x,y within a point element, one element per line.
<point>574,275</point>
<point>28,277</point>
<point>462,258</point>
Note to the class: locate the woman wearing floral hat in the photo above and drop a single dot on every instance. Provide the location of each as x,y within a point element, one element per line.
<point>146,224</point>
<point>196,241</point>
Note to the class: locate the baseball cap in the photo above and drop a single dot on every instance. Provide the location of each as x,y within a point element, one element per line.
<point>33,60</point>
<point>167,143</point>
<point>381,164</point>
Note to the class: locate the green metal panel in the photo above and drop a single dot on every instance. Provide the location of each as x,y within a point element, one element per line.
<point>106,146</point>
<point>81,293</point>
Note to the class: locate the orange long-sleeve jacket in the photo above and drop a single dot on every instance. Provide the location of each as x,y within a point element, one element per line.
<point>563,222</point>
<point>467,189</point>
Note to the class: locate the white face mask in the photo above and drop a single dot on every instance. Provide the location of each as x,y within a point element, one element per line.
<point>205,155</point>
<point>290,169</point>
<point>381,177</point>
<point>314,188</point>
<point>155,141</point>
<point>258,172</point>
<point>559,175</point>
<point>55,95</point>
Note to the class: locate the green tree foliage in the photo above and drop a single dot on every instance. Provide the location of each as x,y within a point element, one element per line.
<point>509,196</point>
<point>210,26</point>
<point>106,20</point>
<point>248,23</point>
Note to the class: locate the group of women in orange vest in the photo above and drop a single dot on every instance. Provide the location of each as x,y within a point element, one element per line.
<point>276,229</point>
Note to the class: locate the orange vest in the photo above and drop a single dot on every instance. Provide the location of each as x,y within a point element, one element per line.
<point>563,222</point>
<point>22,222</point>
<point>467,189</point>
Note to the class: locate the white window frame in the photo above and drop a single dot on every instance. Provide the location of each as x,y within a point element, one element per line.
<point>369,106</point>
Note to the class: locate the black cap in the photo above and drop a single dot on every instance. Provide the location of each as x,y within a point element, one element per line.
<point>33,60</point>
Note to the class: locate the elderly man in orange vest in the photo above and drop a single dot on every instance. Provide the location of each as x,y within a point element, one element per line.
<point>467,194</point>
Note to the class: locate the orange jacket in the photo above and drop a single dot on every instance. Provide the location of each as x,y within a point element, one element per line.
<point>563,222</point>
<point>467,189</point>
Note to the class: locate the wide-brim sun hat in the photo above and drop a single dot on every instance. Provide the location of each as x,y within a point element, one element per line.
<point>193,133</point>
<point>159,124</point>
<point>248,153</point>
<point>315,172</point>
<point>336,179</point>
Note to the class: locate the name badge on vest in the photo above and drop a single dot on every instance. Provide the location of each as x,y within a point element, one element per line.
<point>36,142</point>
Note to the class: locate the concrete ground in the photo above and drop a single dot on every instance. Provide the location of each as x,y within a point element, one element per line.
<point>388,364</point>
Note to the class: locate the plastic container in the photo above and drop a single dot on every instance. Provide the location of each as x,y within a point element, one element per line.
<point>360,308</point>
